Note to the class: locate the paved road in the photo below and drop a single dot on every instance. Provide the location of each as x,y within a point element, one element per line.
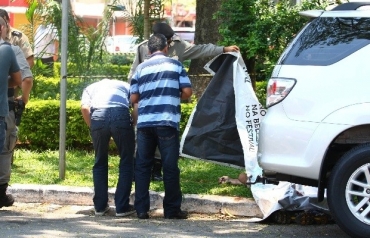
<point>47,220</point>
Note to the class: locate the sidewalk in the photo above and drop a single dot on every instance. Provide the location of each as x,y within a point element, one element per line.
<point>67,195</point>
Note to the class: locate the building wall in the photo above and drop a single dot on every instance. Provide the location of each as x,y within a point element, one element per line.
<point>16,10</point>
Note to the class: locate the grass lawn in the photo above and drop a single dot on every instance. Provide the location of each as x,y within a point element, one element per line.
<point>197,177</point>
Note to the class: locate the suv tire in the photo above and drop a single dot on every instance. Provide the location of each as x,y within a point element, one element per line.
<point>349,192</point>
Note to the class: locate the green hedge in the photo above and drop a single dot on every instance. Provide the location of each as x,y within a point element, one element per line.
<point>40,121</point>
<point>40,124</point>
<point>119,66</point>
<point>49,88</point>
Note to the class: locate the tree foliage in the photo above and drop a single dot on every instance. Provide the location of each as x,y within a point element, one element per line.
<point>86,47</point>
<point>262,29</point>
<point>137,20</point>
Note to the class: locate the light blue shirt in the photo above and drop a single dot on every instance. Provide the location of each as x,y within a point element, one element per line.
<point>106,93</point>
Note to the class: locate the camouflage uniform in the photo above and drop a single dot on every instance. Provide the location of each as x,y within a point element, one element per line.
<point>16,37</point>
<point>22,49</point>
<point>178,49</point>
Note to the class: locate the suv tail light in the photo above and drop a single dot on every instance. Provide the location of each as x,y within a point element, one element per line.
<point>278,89</point>
<point>117,48</point>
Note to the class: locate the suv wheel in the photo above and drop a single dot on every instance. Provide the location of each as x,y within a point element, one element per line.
<point>349,192</point>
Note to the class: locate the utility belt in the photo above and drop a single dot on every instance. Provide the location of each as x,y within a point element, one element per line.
<point>10,92</point>
<point>18,107</point>
<point>11,104</point>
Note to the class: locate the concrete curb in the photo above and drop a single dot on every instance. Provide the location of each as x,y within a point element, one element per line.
<point>68,195</point>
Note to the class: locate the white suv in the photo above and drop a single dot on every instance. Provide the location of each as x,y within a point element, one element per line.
<point>317,128</point>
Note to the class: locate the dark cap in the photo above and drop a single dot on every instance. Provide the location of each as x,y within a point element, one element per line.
<point>164,29</point>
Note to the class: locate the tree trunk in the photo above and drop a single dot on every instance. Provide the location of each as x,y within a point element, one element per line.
<point>206,31</point>
<point>146,19</point>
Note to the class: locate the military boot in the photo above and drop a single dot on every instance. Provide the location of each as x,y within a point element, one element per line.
<point>157,170</point>
<point>6,200</point>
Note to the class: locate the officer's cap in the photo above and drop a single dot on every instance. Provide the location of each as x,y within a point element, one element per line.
<point>164,29</point>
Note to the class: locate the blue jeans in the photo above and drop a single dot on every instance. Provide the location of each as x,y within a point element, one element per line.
<point>167,139</point>
<point>116,123</point>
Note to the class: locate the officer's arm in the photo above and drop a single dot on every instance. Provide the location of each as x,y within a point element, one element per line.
<point>31,61</point>
<point>25,46</point>
<point>15,79</point>
<point>200,51</point>
<point>133,68</point>
<point>27,84</point>
<point>141,53</point>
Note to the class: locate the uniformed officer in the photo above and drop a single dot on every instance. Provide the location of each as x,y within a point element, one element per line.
<point>180,50</point>
<point>16,37</point>
<point>25,59</point>
<point>20,39</point>
<point>9,67</point>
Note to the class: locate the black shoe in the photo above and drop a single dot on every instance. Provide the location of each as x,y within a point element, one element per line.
<point>6,201</point>
<point>179,215</point>
<point>143,215</point>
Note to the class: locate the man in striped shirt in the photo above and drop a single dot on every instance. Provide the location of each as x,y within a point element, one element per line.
<point>157,86</point>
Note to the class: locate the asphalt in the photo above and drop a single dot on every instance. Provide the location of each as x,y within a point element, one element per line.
<point>69,195</point>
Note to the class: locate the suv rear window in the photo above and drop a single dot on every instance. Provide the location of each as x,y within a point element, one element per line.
<point>327,40</point>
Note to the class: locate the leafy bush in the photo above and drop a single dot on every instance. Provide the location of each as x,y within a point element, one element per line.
<point>261,92</point>
<point>262,29</point>
<point>40,125</point>
<point>49,88</point>
<point>122,59</point>
<point>103,70</point>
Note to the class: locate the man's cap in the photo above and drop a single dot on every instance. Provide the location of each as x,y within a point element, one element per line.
<point>164,29</point>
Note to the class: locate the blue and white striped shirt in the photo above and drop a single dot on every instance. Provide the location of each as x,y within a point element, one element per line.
<point>106,93</point>
<point>159,81</point>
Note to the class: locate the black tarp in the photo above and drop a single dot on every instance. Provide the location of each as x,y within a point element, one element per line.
<point>212,132</point>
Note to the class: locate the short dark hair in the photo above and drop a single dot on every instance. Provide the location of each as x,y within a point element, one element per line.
<point>157,42</point>
<point>4,14</point>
